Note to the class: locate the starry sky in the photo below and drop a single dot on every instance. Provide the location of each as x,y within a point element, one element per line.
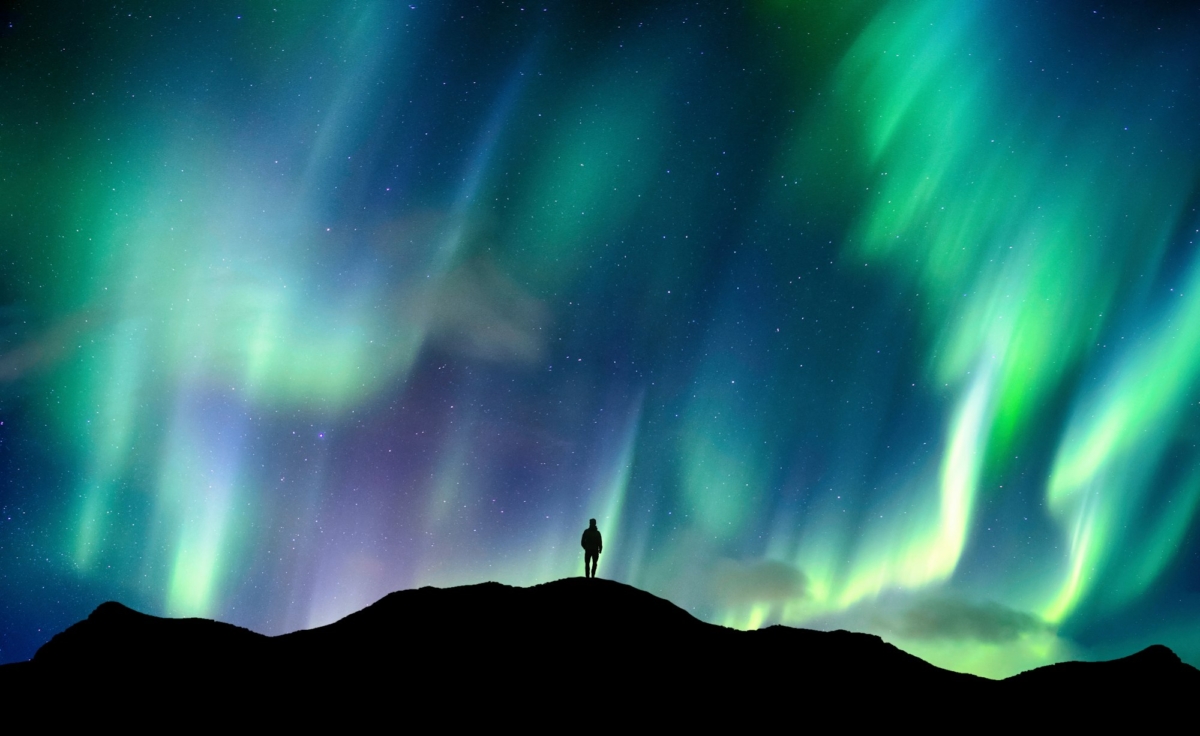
<point>879,314</point>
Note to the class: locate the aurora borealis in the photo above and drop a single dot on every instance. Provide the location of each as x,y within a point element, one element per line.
<point>881,314</point>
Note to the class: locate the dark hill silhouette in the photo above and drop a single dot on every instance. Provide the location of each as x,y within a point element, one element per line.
<point>115,634</point>
<point>1155,670</point>
<point>568,642</point>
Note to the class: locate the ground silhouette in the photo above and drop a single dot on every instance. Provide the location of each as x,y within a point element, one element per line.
<point>568,644</point>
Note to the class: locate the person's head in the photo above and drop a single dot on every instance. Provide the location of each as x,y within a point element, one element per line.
<point>591,523</point>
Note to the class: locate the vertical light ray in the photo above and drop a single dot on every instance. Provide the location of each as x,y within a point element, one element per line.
<point>197,490</point>
<point>607,505</point>
<point>927,550</point>
<point>362,53</point>
<point>960,477</point>
<point>478,166</point>
<point>1162,540</point>
<point>109,434</point>
<point>449,477</point>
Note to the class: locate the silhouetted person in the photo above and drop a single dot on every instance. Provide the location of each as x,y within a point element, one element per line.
<point>592,545</point>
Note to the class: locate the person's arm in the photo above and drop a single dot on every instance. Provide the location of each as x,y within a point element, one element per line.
<point>599,543</point>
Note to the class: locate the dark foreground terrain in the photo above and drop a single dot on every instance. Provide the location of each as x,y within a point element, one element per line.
<point>567,646</point>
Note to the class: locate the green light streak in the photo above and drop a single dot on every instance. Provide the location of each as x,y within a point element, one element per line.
<point>110,435</point>
<point>1162,541</point>
<point>608,505</point>
<point>927,549</point>
<point>722,454</point>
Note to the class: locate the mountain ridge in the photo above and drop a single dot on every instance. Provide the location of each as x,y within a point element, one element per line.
<point>494,643</point>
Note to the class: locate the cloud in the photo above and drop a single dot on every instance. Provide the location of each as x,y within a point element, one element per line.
<point>480,312</point>
<point>957,619</point>
<point>764,581</point>
<point>49,347</point>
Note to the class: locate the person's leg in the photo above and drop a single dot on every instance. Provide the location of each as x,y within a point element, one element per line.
<point>595,563</point>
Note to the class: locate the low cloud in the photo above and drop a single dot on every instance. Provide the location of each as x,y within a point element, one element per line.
<point>957,619</point>
<point>764,581</point>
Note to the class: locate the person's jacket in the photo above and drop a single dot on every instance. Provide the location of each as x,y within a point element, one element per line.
<point>591,541</point>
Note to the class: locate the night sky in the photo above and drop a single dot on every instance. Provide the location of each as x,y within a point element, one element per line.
<point>876,314</point>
